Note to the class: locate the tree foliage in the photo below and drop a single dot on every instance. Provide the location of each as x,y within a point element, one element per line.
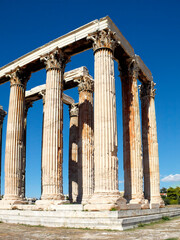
<point>173,195</point>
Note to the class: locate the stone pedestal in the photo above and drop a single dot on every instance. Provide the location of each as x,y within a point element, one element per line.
<point>2,115</point>
<point>73,153</point>
<point>52,185</point>
<point>14,137</point>
<point>132,153</point>
<point>86,141</point>
<point>106,195</point>
<point>150,146</point>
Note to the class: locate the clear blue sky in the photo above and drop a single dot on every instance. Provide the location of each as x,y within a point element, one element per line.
<point>151,27</point>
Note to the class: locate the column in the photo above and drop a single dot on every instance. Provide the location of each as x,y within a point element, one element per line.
<point>106,195</point>
<point>86,140</point>
<point>43,95</point>
<point>73,153</point>
<point>132,152</point>
<point>23,181</point>
<point>150,145</point>
<point>14,136</point>
<point>2,115</point>
<point>52,186</point>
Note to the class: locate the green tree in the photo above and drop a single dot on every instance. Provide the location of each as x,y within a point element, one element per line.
<point>173,196</point>
<point>163,190</point>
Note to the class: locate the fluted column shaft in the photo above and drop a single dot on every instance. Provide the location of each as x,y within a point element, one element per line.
<point>23,181</point>
<point>2,115</point>
<point>43,95</point>
<point>86,141</point>
<point>150,145</point>
<point>106,194</point>
<point>52,185</point>
<point>105,132</point>
<point>14,137</point>
<point>132,153</point>
<point>73,153</point>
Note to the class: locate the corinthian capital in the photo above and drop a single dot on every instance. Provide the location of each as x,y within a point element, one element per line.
<point>19,77</point>
<point>2,114</point>
<point>73,110</point>
<point>42,93</point>
<point>129,68</point>
<point>147,90</point>
<point>56,59</point>
<point>103,39</point>
<point>86,83</point>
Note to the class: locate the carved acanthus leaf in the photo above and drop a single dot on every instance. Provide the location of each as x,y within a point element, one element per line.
<point>74,110</point>
<point>56,59</point>
<point>42,93</point>
<point>129,69</point>
<point>2,114</point>
<point>147,89</point>
<point>86,83</point>
<point>103,39</point>
<point>18,76</point>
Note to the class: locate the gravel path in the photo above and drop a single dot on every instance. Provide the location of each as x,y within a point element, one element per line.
<point>167,230</point>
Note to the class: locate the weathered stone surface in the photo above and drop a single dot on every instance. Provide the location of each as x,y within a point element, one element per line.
<point>14,137</point>
<point>73,152</point>
<point>76,218</point>
<point>2,115</point>
<point>106,194</point>
<point>52,185</point>
<point>71,42</point>
<point>150,146</point>
<point>98,189</point>
<point>132,153</point>
<point>86,140</point>
<point>23,179</point>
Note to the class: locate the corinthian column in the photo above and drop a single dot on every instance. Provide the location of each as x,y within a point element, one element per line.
<point>86,140</point>
<point>43,95</point>
<point>14,136</point>
<point>23,181</point>
<point>2,115</point>
<point>132,153</point>
<point>106,194</point>
<point>150,146</point>
<point>73,153</point>
<point>52,186</point>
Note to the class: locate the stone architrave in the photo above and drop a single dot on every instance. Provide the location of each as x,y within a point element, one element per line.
<point>14,136</point>
<point>106,195</point>
<point>150,146</point>
<point>73,153</point>
<point>86,140</point>
<point>132,152</point>
<point>23,181</point>
<point>2,115</point>
<point>52,185</point>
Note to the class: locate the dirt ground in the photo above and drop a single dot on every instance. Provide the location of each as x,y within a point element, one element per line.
<point>167,230</point>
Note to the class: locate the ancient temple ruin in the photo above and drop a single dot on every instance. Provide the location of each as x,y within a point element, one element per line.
<point>93,162</point>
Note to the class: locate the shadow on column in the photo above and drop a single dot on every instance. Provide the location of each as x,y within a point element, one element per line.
<point>86,117</point>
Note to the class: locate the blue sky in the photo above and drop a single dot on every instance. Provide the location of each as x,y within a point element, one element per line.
<point>151,27</point>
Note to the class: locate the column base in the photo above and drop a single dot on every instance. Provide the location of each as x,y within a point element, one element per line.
<point>13,199</point>
<point>156,202</point>
<point>86,199</point>
<point>52,197</point>
<point>106,201</point>
<point>47,203</point>
<point>9,204</point>
<point>138,203</point>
